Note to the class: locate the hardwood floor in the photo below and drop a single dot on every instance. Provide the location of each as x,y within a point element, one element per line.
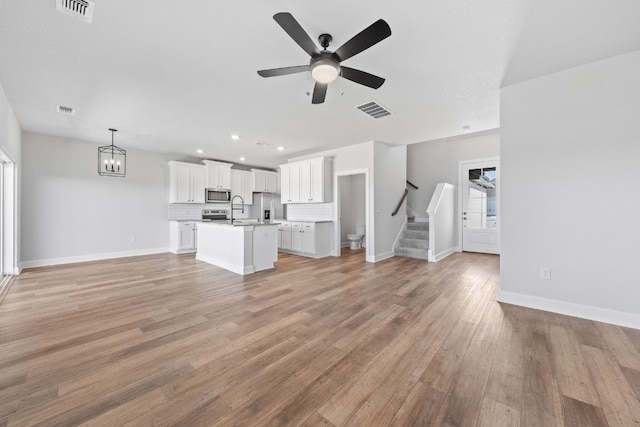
<point>168,340</point>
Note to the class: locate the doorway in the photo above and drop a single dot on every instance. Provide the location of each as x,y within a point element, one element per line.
<point>8,215</point>
<point>351,210</point>
<point>479,206</point>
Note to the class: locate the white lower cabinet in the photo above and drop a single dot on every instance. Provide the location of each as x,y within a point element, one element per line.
<point>308,237</point>
<point>284,236</point>
<point>296,236</point>
<point>183,236</point>
<point>305,238</point>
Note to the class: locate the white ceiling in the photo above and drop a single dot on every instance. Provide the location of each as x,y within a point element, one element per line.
<point>175,76</point>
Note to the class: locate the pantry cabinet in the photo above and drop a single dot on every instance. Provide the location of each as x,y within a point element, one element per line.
<point>186,182</point>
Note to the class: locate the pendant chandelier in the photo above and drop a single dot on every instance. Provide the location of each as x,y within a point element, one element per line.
<point>112,160</point>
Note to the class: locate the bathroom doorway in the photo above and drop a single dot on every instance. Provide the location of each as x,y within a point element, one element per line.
<point>352,212</point>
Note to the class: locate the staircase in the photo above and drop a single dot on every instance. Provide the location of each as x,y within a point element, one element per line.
<point>414,241</point>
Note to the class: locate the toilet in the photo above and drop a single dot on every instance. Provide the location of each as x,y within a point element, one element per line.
<point>356,239</point>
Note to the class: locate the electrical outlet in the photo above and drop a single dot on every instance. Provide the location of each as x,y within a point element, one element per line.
<point>545,273</point>
<point>133,239</point>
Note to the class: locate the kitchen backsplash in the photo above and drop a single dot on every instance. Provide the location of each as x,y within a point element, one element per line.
<point>295,212</point>
<point>192,211</point>
<point>310,212</point>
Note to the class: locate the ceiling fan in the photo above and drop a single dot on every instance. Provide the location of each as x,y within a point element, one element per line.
<point>325,65</point>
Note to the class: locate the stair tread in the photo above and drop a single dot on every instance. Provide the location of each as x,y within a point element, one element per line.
<point>417,253</point>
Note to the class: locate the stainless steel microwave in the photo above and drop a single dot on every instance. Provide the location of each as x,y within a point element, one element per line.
<point>216,195</point>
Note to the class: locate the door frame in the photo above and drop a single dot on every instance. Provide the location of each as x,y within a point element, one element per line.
<point>368,238</point>
<point>461,178</point>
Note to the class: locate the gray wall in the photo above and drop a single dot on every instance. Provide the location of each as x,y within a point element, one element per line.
<point>570,156</point>
<point>70,213</point>
<point>390,177</point>
<point>431,162</point>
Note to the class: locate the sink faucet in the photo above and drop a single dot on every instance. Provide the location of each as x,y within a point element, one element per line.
<point>235,209</point>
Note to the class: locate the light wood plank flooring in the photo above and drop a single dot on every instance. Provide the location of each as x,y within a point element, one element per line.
<point>168,340</point>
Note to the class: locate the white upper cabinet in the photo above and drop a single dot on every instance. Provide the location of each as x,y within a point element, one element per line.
<point>307,181</point>
<point>264,181</point>
<point>290,183</point>
<point>218,175</point>
<point>186,182</point>
<point>242,185</point>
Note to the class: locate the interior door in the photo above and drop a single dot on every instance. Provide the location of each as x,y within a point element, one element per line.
<point>480,206</point>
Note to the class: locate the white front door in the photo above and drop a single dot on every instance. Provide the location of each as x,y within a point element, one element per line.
<point>480,186</point>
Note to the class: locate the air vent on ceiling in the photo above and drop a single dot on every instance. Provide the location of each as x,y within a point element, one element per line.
<point>374,109</point>
<point>81,9</point>
<point>65,110</point>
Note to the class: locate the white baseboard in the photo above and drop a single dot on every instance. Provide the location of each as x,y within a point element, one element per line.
<point>437,257</point>
<point>380,257</point>
<point>234,268</point>
<point>597,314</point>
<point>91,257</point>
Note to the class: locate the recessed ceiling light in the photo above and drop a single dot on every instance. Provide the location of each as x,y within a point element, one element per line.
<point>280,148</point>
<point>235,137</point>
<point>199,151</point>
<point>242,159</point>
<point>466,128</point>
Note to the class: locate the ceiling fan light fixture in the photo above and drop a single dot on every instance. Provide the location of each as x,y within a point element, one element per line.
<point>325,70</point>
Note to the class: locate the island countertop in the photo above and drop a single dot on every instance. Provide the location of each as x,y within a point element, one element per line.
<point>238,223</point>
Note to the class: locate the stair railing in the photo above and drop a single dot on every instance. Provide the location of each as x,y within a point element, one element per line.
<point>404,196</point>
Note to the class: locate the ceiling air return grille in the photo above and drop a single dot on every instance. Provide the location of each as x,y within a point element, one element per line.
<point>374,109</point>
<point>65,110</point>
<point>81,9</point>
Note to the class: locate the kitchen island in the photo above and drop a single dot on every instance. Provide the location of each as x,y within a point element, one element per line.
<point>243,248</point>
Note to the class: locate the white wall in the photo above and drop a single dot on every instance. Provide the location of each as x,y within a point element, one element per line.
<point>390,181</point>
<point>442,223</point>
<point>387,174</point>
<point>432,162</point>
<point>11,144</point>
<point>570,156</point>
<point>70,213</point>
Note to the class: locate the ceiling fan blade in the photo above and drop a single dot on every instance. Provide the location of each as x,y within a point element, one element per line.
<point>319,93</point>
<point>283,71</point>
<point>296,32</point>
<point>366,38</point>
<point>361,77</point>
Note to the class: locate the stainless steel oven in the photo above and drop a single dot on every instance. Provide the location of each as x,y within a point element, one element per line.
<point>214,215</point>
